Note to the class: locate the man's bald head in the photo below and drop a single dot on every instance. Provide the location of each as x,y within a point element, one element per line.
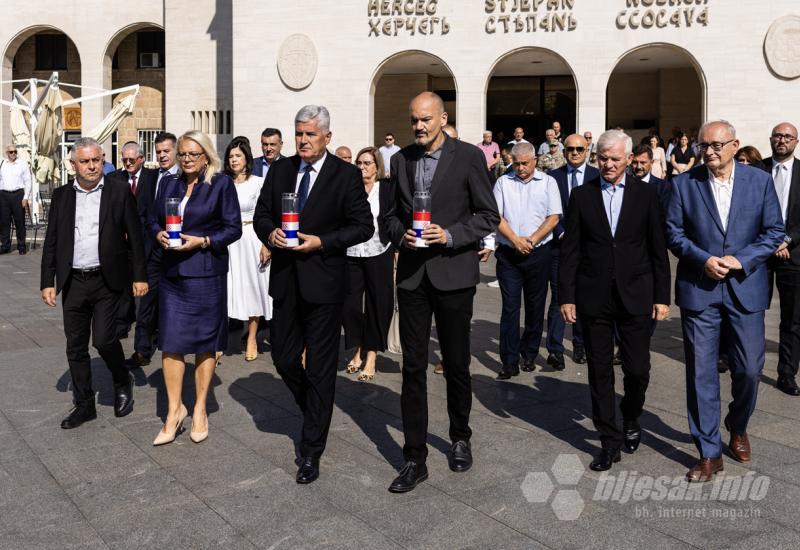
<point>783,141</point>
<point>575,148</point>
<point>427,119</point>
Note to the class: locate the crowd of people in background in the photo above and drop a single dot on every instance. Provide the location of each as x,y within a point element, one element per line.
<point>589,221</point>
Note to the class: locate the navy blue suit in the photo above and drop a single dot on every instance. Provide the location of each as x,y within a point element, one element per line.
<point>555,324</point>
<point>732,308</point>
<point>192,299</point>
<point>258,165</point>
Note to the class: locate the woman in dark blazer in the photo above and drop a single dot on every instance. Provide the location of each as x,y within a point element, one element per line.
<point>370,266</point>
<point>192,298</point>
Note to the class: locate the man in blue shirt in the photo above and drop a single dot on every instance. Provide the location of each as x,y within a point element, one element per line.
<point>530,207</point>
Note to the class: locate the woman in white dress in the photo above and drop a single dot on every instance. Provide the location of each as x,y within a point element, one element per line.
<point>659,168</point>
<point>248,275</point>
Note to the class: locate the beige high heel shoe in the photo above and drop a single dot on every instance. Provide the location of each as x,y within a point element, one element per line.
<point>169,436</point>
<point>198,437</point>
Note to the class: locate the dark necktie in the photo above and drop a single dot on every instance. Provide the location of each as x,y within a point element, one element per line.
<point>133,185</point>
<point>302,192</point>
<point>574,182</point>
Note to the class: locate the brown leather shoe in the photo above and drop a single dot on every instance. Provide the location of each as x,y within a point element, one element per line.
<point>137,360</point>
<point>704,470</point>
<point>740,447</point>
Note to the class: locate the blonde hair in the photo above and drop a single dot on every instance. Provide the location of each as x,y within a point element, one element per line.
<point>201,139</point>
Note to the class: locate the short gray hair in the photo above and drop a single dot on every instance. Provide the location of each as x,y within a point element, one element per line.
<point>728,127</point>
<point>310,113</point>
<point>131,145</point>
<point>83,143</point>
<point>609,139</point>
<point>523,149</point>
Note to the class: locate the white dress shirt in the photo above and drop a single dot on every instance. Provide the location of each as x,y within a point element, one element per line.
<point>315,168</point>
<point>580,176</point>
<point>373,247</point>
<point>138,175</point>
<point>86,250</point>
<point>723,193</point>
<point>15,176</point>
<point>162,173</point>
<point>525,205</point>
<point>782,175</point>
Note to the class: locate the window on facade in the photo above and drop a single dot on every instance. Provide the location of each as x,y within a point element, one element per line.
<point>51,52</point>
<point>150,49</point>
<point>147,139</point>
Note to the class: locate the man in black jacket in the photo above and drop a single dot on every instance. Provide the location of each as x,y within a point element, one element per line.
<point>308,283</point>
<point>785,264</point>
<point>438,280</point>
<point>93,224</point>
<point>614,271</point>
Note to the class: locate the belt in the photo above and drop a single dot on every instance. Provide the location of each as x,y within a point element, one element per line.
<point>86,270</point>
<point>248,223</point>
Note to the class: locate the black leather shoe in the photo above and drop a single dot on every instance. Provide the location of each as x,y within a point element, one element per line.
<point>5,250</point>
<point>123,398</point>
<point>605,459</point>
<point>579,355</point>
<point>460,459</point>
<point>617,360</point>
<point>632,435</point>
<point>411,475</point>
<point>308,470</point>
<point>528,364</point>
<point>79,415</point>
<point>788,385</point>
<point>556,360</point>
<point>507,372</point>
<point>137,360</point>
<point>23,251</point>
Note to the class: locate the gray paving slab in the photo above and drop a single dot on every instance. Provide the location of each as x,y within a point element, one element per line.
<point>105,485</point>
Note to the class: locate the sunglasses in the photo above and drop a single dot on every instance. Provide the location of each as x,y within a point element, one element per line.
<point>11,152</point>
<point>575,149</point>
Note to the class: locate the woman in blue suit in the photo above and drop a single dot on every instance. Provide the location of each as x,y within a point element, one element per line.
<point>192,304</point>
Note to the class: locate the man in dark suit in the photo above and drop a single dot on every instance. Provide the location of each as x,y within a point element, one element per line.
<point>568,177</point>
<point>641,166</point>
<point>165,145</point>
<point>785,264</point>
<point>440,279</point>
<point>723,223</point>
<point>615,273</point>
<point>140,181</point>
<point>271,145</point>
<point>308,283</point>
<point>93,225</point>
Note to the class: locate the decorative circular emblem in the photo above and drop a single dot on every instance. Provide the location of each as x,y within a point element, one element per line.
<point>297,61</point>
<point>782,46</point>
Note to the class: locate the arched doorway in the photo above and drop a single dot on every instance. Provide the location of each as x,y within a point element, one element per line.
<point>530,88</point>
<point>37,52</point>
<point>656,87</point>
<point>397,81</point>
<point>135,55</point>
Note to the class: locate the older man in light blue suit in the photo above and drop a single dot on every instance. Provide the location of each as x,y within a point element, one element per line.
<point>723,223</point>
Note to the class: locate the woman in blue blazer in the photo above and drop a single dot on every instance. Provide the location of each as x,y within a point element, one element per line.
<point>193,315</point>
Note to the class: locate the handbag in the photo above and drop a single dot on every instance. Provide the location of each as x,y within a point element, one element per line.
<point>393,339</point>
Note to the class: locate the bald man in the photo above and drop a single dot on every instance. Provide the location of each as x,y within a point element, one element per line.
<point>344,153</point>
<point>785,264</point>
<point>438,280</point>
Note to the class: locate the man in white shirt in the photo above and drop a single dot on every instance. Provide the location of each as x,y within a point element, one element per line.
<point>519,137</point>
<point>15,195</point>
<point>530,207</point>
<point>387,150</point>
<point>785,264</point>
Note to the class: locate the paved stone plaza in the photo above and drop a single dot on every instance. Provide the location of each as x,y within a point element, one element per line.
<point>105,486</point>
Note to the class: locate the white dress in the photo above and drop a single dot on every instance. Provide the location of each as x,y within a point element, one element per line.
<point>248,282</point>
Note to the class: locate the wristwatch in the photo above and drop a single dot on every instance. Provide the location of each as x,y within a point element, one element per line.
<point>787,239</point>
<point>206,243</point>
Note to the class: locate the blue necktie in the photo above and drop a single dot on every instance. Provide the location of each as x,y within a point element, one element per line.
<point>302,192</point>
<point>574,183</point>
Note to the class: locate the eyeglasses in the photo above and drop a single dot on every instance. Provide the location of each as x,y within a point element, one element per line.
<point>715,145</point>
<point>129,161</point>
<point>784,137</point>
<point>389,139</point>
<point>11,152</point>
<point>361,163</point>
<point>189,155</point>
<point>575,149</point>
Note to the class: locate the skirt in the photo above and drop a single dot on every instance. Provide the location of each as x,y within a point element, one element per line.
<point>192,314</point>
<point>248,282</point>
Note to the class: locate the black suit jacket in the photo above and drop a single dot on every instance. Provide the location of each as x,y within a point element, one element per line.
<point>336,211</point>
<point>560,175</point>
<point>145,199</point>
<point>792,214</point>
<point>385,200</point>
<point>634,260</point>
<point>461,202</point>
<point>120,231</point>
